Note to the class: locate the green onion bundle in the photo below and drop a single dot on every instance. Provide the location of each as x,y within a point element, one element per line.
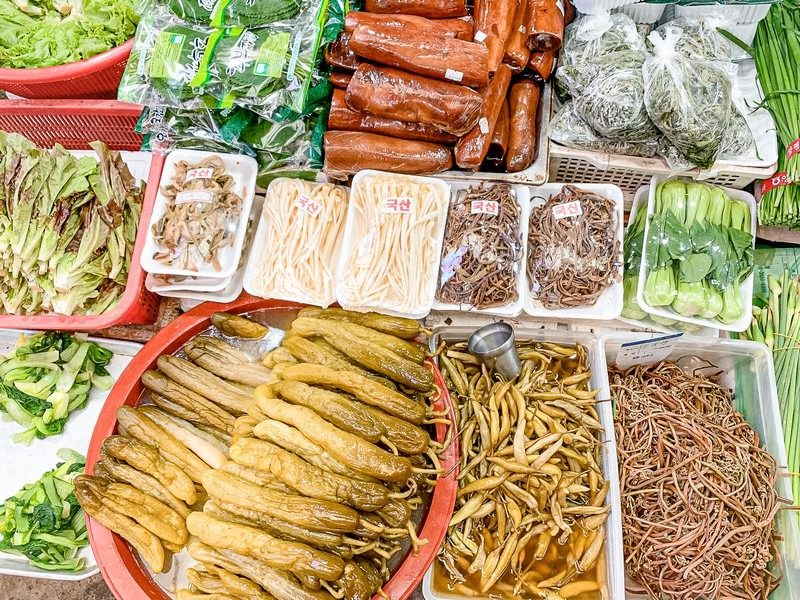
<point>776,50</point>
<point>777,324</point>
<point>780,205</point>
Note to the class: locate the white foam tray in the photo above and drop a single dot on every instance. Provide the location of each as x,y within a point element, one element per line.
<point>26,464</point>
<point>244,170</point>
<point>355,232</point>
<point>522,195</point>
<point>609,304</point>
<point>746,287</point>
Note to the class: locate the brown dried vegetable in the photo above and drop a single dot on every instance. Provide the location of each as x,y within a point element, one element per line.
<point>194,232</point>
<point>482,250</point>
<point>530,512</point>
<point>573,259</point>
<point>697,516</point>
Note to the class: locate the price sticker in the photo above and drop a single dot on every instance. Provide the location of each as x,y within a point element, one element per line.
<point>453,75</point>
<point>199,196</point>
<point>204,173</point>
<point>793,148</point>
<point>480,36</point>
<point>483,125</point>
<point>567,209</point>
<point>647,351</point>
<point>484,207</point>
<point>306,204</point>
<point>401,206</point>
<point>776,181</point>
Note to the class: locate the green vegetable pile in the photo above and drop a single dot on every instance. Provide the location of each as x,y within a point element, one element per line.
<point>44,521</point>
<point>776,323</point>
<point>67,228</point>
<point>47,33</point>
<point>699,248</point>
<point>46,377</point>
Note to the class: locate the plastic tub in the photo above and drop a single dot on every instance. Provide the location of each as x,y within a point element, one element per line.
<point>95,77</point>
<point>613,547</point>
<point>66,122</point>
<point>522,194</point>
<point>643,12</point>
<point>244,170</point>
<point>356,235</point>
<point>590,7</point>
<point>735,13</point>
<point>609,304</point>
<point>640,203</point>
<point>747,369</point>
<point>745,288</point>
<point>120,565</point>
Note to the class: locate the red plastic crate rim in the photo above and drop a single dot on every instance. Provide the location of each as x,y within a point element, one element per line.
<point>80,122</point>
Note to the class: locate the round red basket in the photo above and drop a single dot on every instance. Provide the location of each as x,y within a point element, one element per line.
<point>120,565</point>
<point>95,77</point>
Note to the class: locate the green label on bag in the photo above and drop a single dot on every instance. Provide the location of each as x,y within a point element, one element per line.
<point>166,53</point>
<point>272,55</point>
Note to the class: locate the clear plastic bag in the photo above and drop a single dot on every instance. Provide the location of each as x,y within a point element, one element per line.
<point>698,38</point>
<point>600,34</point>
<point>569,129</point>
<point>688,100</point>
<point>613,105</point>
<point>739,140</point>
<point>577,77</point>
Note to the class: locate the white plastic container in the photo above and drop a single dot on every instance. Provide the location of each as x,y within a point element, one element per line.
<point>747,370</point>
<point>199,284</point>
<point>251,283</point>
<point>522,195</point>
<point>590,7</point>
<point>244,170</point>
<point>735,13</point>
<point>640,203</point>
<point>643,12</point>
<point>613,547</point>
<point>357,235</point>
<point>745,288</point>
<point>609,304</point>
<point>752,13</point>
<point>26,464</point>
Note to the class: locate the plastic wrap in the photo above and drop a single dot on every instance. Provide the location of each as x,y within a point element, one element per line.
<point>342,118</point>
<point>517,54</point>
<point>235,13</point>
<point>493,22</point>
<point>393,243</point>
<point>545,26</point>
<point>738,140</point>
<point>414,49</point>
<point>688,100</point>
<point>460,28</point>
<point>591,36</point>
<point>298,242</point>
<point>495,158</point>
<point>575,78</point>
<point>348,152</point>
<point>541,64</point>
<point>471,148</point>
<point>433,9</point>
<point>613,105</point>
<point>569,129</point>
<point>483,228</point>
<point>698,38</point>
<point>395,94</point>
<point>340,55</point>
<point>523,105</point>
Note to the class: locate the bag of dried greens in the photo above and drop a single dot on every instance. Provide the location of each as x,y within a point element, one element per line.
<point>169,63</point>
<point>569,129</point>
<point>577,77</point>
<point>613,103</point>
<point>593,36</point>
<point>688,100</point>
<point>699,38</point>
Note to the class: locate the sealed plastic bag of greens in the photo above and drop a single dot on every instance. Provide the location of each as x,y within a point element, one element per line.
<point>738,140</point>
<point>218,130</point>
<point>613,104</point>
<point>688,100</point>
<point>699,38</point>
<point>577,77</point>
<point>569,129</point>
<point>593,36</point>
<point>195,11</point>
<point>170,64</point>
<point>235,13</point>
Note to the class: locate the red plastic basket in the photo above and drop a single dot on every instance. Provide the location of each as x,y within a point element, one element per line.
<point>121,567</point>
<point>74,124</point>
<point>95,77</point>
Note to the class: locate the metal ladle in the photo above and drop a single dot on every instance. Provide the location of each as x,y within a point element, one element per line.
<point>494,344</point>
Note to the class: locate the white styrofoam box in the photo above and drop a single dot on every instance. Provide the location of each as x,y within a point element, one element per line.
<point>357,233</point>
<point>746,32</point>
<point>615,561</point>
<point>192,284</point>
<point>640,203</point>
<point>591,7</point>
<point>746,369</point>
<point>752,13</point>
<point>251,282</point>
<point>609,303</point>
<point>746,287</point>
<point>735,13</point>
<point>643,12</point>
<point>244,170</point>
<point>522,195</point>
<point>26,464</point>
